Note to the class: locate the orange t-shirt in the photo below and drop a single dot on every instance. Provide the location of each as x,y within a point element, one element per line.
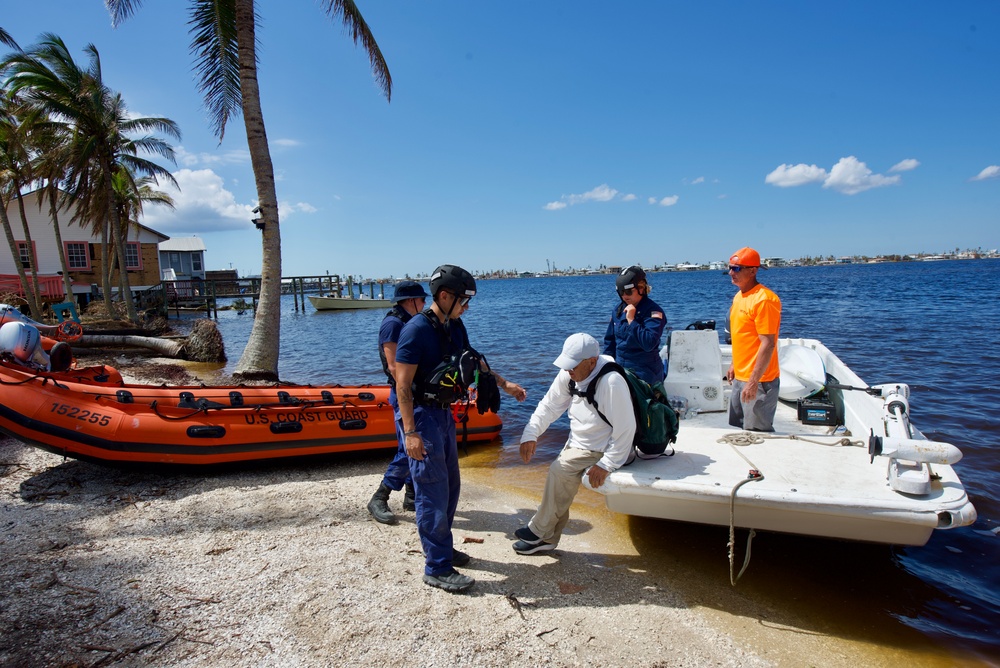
<point>758,311</point>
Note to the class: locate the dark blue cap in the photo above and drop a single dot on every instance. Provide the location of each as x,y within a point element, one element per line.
<point>408,290</point>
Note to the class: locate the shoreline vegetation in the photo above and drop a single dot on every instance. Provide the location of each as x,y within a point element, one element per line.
<point>718,265</point>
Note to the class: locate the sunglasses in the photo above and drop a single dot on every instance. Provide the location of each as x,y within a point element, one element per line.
<point>462,301</point>
<point>735,268</point>
<point>628,291</point>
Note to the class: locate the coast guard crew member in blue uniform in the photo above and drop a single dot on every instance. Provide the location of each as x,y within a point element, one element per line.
<point>409,299</point>
<point>633,336</point>
<point>428,425</point>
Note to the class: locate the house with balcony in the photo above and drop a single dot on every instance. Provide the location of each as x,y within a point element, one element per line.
<point>81,247</point>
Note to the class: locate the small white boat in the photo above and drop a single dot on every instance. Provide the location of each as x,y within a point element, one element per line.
<point>853,467</point>
<point>333,302</point>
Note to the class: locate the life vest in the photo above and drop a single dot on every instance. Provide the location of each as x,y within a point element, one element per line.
<point>399,312</point>
<point>461,376</point>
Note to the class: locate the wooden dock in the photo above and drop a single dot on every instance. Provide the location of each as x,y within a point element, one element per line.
<point>188,295</point>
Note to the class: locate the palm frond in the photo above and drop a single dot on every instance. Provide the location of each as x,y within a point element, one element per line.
<point>357,28</point>
<point>5,38</point>
<point>121,10</point>
<point>214,46</point>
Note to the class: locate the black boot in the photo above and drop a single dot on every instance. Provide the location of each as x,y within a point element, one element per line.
<point>409,498</point>
<point>379,505</point>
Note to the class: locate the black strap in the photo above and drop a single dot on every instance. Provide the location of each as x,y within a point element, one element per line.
<point>588,394</point>
<point>400,313</point>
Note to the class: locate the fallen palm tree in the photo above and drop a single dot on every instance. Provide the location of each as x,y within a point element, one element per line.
<point>204,344</point>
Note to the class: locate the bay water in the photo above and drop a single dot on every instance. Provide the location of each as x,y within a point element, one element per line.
<point>932,325</point>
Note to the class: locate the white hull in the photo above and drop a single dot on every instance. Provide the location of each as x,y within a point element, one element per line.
<point>807,488</point>
<point>338,303</point>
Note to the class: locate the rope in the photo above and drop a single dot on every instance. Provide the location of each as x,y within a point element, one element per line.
<point>732,529</point>
<point>743,439</point>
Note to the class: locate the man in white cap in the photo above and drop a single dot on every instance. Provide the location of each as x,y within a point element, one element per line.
<point>595,444</point>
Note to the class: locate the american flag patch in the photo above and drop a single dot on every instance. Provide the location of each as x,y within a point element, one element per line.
<point>656,314</point>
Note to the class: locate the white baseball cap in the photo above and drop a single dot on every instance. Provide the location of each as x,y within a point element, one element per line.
<point>577,348</point>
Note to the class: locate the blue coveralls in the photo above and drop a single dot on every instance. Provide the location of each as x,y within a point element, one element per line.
<point>637,346</point>
<point>397,473</point>
<point>436,478</point>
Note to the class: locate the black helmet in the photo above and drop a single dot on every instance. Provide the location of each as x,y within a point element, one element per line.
<point>629,278</point>
<point>453,278</point>
<point>408,290</point>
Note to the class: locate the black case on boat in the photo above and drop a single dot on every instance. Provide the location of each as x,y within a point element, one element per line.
<point>813,411</point>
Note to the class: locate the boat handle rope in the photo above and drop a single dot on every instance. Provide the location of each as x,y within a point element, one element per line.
<point>740,439</point>
<point>156,410</point>
<point>44,379</point>
<point>745,438</point>
<point>257,407</point>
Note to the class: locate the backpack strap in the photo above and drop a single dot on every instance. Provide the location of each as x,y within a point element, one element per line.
<point>588,394</point>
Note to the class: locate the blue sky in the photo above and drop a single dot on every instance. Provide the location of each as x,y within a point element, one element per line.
<point>579,133</point>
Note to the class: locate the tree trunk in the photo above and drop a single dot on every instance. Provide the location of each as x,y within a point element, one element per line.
<point>67,282</point>
<point>260,357</point>
<point>106,270</point>
<point>119,235</point>
<point>36,295</point>
<point>25,286</point>
<point>165,347</point>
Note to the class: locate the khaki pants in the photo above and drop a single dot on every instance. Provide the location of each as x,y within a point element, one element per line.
<point>561,487</point>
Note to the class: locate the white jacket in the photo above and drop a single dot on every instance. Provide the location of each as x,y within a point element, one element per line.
<point>587,430</point>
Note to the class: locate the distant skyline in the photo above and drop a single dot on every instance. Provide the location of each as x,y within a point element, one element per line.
<point>659,133</point>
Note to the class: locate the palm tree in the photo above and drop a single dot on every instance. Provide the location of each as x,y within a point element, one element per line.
<point>51,169</point>
<point>131,194</point>
<point>13,159</point>
<point>224,44</point>
<point>77,100</point>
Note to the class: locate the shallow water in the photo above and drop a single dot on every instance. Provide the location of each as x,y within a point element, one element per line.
<point>933,325</point>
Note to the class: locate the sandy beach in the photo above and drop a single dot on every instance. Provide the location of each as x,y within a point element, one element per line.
<point>279,565</point>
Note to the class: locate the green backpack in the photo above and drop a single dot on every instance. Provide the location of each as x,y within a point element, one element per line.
<point>656,421</point>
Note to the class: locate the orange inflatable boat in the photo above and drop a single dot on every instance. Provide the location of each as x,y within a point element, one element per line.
<point>91,414</point>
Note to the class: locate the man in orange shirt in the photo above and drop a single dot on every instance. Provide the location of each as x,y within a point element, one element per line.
<point>754,320</point>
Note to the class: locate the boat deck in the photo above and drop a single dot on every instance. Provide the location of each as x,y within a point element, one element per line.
<point>819,486</point>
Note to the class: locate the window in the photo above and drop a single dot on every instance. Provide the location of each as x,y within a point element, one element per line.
<point>77,255</point>
<point>22,251</point>
<point>132,259</point>
<point>195,261</point>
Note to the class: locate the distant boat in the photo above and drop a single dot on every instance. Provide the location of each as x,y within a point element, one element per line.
<point>333,302</point>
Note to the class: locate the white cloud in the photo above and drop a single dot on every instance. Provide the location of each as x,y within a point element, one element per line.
<point>286,142</point>
<point>204,205</point>
<point>788,176</point>
<point>628,198</point>
<point>851,176</point>
<point>651,200</point>
<point>602,193</point>
<point>298,207</point>
<point>666,201</point>
<point>204,159</point>
<point>700,179</point>
<point>990,172</point>
<point>905,165</point>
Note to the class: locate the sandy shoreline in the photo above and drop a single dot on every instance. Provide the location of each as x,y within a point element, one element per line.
<point>277,565</point>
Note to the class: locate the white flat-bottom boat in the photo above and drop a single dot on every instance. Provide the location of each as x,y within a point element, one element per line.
<point>849,465</point>
<point>333,303</point>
